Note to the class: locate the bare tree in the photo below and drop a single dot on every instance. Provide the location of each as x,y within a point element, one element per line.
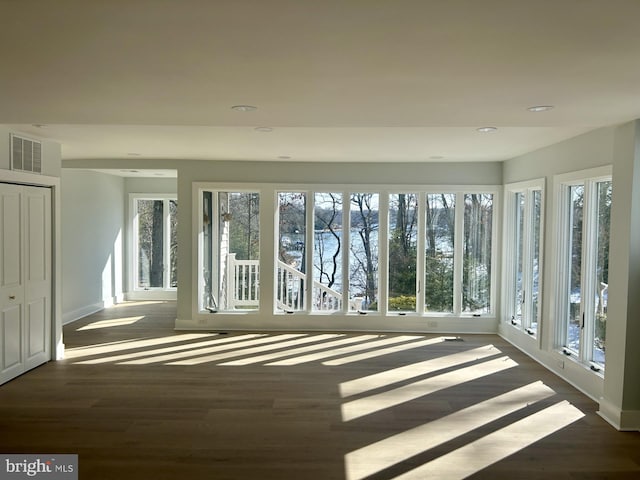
<point>366,261</point>
<point>327,219</point>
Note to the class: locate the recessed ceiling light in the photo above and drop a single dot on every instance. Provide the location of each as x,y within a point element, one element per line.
<point>436,157</point>
<point>244,108</point>
<point>540,108</point>
<point>39,125</point>
<point>263,129</point>
<point>159,174</point>
<point>487,129</point>
<point>133,154</point>
<point>284,157</point>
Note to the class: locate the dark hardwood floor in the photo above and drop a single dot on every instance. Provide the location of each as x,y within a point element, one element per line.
<point>136,400</point>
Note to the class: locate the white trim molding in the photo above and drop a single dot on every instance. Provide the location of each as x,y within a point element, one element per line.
<point>622,420</point>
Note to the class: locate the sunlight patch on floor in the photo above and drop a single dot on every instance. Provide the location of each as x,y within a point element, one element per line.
<point>391,451</point>
<point>214,343</point>
<point>346,350</point>
<point>297,351</point>
<point>491,448</point>
<point>250,351</point>
<point>387,399</point>
<point>221,351</point>
<point>395,375</point>
<point>114,322</point>
<point>381,351</point>
<point>139,303</point>
<point>103,348</point>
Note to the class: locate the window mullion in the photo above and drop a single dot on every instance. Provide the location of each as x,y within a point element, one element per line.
<point>383,252</point>
<point>346,251</point>
<point>588,270</point>
<point>420,256</point>
<point>458,257</point>
<point>308,249</point>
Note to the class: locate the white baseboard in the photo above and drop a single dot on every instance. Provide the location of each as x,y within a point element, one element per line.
<point>82,312</point>
<point>623,420</point>
<point>68,317</point>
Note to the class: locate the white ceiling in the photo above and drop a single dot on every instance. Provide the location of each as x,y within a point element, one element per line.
<point>336,80</point>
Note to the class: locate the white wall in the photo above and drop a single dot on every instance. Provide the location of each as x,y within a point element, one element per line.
<point>619,391</point>
<point>92,241</point>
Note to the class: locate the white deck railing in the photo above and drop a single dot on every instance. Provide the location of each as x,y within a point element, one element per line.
<point>244,283</point>
<point>244,288</point>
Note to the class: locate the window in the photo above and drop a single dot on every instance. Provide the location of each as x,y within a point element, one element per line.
<point>403,251</point>
<point>229,244</point>
<point>523,228</point>
<point>327,252</point>
<point>342,251</point>
<point>583,264</point>
<point>440,252</point>
<point>155,242</point>
<point>291,265</point>
<point>478,224</point>
<point>363,252</point>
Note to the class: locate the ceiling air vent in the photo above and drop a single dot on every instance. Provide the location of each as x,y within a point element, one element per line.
<point>26,155</point>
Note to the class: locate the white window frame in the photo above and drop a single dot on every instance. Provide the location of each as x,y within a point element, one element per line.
<point>526,188</point>
<point>151,292</point>
<point>268,241</point>
<point>216,189</point>
<point>589,178</point>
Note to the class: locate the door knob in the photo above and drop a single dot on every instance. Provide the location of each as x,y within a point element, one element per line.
<point>12,297</point>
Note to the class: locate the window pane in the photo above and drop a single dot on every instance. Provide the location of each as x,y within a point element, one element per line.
<point>291,263</point>
<point>439,251</point>
<point>403,238</point>
<point>519,257</point>
<point>602,271</point>
<point>173,253</point>
<point>476,282</point>
<point>240,223</point>
<point>363,264</point>
<point>576,197</point>
<point>327,252</point>
<point>230,251</point>
<point>536,230</point>
<point>150,243</point>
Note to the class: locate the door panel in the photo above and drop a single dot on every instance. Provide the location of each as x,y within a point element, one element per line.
<point>11,328</point>
<point>36,319</point>
<point>37,222</point>
<point>36,244</point>
<point>11,237</point>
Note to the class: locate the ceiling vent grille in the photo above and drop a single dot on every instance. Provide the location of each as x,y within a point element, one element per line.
<point>26,154</point>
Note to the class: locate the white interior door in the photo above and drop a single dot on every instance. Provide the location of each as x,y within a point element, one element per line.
<point>11,283</point>
<point>25,279</point>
